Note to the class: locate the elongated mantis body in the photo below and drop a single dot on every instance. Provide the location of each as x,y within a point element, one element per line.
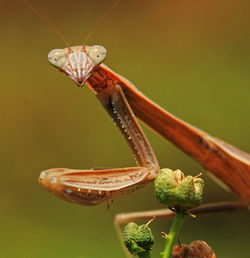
<point>123,102</point>
<point>120,98</point>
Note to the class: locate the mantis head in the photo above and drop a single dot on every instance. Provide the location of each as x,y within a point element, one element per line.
<point>77,62</point>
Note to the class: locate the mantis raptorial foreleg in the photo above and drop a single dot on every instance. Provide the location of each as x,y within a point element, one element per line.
<point>92,187</point>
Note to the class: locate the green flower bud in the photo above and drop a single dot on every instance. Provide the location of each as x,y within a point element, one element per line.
<point>137,239</point>
<point>175,190</point>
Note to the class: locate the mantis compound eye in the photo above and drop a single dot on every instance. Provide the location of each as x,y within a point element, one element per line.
<point>97,54</point>
<point>57,58</point>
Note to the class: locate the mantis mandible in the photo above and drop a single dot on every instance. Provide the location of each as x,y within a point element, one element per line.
<point>123,102</point>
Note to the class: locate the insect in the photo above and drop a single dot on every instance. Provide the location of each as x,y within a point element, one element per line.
<point>123,102</point>
<point>83,64</point>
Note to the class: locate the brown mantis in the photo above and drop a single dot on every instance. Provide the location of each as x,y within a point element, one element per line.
<point>123,102</point>
<point>120,98</point>
<point>94,186</point>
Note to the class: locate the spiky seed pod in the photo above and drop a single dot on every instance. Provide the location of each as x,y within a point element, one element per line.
<point>137,239</point>
<point>175,190</point>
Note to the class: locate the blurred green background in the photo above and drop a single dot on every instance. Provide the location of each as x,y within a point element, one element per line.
<point>191,57</point>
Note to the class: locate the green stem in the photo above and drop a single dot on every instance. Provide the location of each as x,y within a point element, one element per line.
<point>175,228</point>
<point>144,254</point>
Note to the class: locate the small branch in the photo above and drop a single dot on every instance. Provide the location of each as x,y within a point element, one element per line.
<point>166,213</point>
<point>175,228</point>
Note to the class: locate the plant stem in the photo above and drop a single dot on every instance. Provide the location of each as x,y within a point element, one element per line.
<point>144,254</point>
<point>175,228</point>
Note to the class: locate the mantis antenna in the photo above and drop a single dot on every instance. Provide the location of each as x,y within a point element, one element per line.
<point>100,20</point>
<point>59,34</point>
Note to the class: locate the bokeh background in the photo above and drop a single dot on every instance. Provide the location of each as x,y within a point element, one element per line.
<point>191,57</point>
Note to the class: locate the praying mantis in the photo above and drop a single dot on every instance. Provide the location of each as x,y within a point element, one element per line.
<point>124,102</point>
